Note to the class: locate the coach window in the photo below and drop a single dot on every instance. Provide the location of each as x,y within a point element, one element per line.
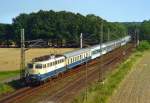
<point>55,62</point>
<point>70,61</point>
<point>51,64</point>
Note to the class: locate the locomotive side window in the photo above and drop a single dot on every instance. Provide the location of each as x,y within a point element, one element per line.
<point>38,66</point>
<point>44,65</point>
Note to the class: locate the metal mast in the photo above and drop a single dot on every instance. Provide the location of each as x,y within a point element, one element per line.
<point>22,64</point>
<point>81,36</point>
<point>101,41</point>
<point>108,35</point>
<point>137,36</point>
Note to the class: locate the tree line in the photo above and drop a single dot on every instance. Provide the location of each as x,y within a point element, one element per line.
<point>63,29</point>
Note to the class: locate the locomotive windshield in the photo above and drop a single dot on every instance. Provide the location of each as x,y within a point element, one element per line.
<point>30,65</point>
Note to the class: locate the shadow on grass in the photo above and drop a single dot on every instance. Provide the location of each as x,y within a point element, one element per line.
<point>16,84</point>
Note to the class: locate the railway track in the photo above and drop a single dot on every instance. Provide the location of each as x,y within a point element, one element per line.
<point>27,92</point>
<point>59,97</point>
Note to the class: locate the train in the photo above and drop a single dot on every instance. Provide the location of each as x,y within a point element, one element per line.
<point>42,68</point>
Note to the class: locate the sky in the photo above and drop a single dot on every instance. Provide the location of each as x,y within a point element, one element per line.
<point>110,10</point>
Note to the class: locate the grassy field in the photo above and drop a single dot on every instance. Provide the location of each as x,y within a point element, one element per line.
<point>10,57</point>
<point>100,93</point>
<point>135,87</point>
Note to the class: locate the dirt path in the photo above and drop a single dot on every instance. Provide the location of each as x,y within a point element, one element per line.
<point>136,86</point>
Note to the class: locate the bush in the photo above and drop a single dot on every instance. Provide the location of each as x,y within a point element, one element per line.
<point>144,45</point>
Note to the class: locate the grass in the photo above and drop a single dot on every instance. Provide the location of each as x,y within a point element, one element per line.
<point>100,93</point>
<point>11,86</point>
<point>8,74</point>
<point>5,88</point>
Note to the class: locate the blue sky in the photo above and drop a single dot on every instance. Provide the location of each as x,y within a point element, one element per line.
<point>111,10</point>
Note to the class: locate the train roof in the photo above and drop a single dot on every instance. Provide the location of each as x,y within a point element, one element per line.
<point>46,57</point>
<point>76,52</point>
<point>108,43</point>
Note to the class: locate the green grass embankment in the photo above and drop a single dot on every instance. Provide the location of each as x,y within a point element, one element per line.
<point>7,87</point>
<point>8,74</point>
<point>100,93</point>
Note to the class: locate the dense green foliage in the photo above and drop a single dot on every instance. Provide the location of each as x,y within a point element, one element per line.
<point>100,93</point>
<point>6,34</point>
<point>143,45</point>
<point>61,28</point>
<point>145,30</point>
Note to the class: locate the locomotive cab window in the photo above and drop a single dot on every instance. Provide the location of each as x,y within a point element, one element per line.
<point>30,66</point>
